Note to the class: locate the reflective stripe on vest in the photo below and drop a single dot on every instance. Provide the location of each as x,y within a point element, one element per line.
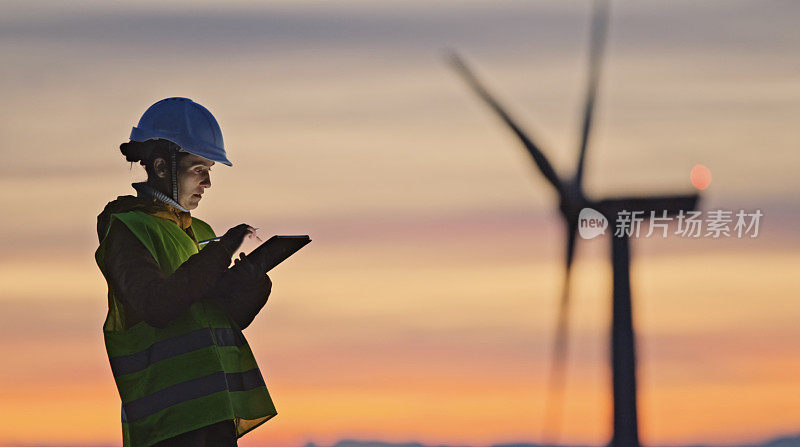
<point>171,347</point>
<point>191,389</point>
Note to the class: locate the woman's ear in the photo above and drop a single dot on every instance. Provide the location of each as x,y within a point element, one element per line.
<point>160,167</point>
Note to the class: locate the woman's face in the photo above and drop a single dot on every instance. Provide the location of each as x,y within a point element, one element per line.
<point>193,178</point>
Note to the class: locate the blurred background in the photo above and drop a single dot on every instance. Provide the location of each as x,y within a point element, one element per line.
<point>424,309</point>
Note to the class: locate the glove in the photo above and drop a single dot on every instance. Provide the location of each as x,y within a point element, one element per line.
<point>234,237</point>
<point>244,267</point>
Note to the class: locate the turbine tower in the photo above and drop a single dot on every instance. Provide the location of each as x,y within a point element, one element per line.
<point>572,200</point>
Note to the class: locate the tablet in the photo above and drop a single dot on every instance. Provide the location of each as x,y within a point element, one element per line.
<point>278,248</point>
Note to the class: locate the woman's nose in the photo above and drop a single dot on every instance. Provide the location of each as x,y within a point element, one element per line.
<point>206,182</point>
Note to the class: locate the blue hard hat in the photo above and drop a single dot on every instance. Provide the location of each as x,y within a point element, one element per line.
<point>186,123</point>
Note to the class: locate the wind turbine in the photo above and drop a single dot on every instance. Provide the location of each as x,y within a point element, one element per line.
<point>572,200</point>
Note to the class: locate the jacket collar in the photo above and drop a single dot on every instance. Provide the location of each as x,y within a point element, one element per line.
<point>160,205</point>
<point>145,189</point>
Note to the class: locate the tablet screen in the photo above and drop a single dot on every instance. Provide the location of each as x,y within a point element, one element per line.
<point>278,248</point>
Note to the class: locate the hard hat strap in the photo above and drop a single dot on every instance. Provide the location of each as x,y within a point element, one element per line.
<point>174,174</point>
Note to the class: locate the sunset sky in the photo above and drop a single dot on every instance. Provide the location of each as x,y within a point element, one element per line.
<point>425,307</point>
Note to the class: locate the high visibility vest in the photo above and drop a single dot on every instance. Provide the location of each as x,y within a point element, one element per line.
<point>196,371</point>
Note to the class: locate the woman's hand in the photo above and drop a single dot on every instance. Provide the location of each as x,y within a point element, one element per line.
<point>234,237</point>
<point>249,268</point>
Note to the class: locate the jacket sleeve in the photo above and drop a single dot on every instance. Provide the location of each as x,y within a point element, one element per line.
<point>146,293</point>
<point>242,291</point>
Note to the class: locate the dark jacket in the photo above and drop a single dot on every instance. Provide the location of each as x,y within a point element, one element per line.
<point>147,294</point>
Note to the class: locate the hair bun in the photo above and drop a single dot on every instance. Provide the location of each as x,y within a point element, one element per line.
<point>134,151</point>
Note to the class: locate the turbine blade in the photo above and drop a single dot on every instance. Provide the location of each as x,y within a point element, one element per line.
<point>557,380</point>
<point>538,157</point>
<point>672,204</point>
<point>596,46</point>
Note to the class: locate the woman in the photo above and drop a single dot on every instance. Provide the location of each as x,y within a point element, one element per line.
<point>184,371</point>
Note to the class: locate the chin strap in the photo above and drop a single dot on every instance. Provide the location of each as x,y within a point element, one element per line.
<point>172,151</point>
